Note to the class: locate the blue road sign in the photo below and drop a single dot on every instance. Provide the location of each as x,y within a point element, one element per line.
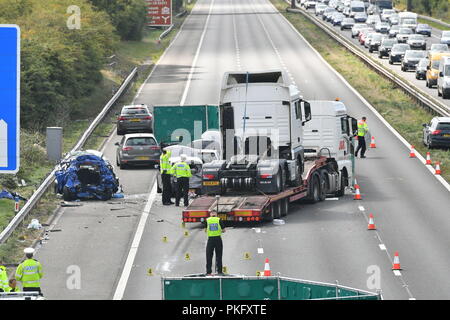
<point>9,98</point>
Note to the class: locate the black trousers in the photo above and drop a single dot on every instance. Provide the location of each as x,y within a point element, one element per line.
<point>166,188</point>
<point>182,191</point>
<point>361,146</point>
<point>214,245</point>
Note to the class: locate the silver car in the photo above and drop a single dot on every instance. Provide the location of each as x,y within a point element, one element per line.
<point>137,149</point>
<point>403,35</point>
<point>417,41</point>
<point>438,47</point>
<point>134,118</point>
<point>445,37</point>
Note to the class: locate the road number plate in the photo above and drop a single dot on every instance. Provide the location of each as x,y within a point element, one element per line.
<point>143,158</point>
<point>223,216</point>
<point>447,135</point>
<point>136,120</point>
<point>210,183</point>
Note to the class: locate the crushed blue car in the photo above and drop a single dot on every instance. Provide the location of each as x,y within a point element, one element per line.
<point>86,175</point>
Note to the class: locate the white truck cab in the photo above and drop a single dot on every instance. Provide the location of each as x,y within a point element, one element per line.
<point>329,133</point>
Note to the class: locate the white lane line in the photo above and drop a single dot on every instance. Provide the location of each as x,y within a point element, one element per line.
<point>194,62</point>
<point>260,251</point>
<point>120,290</point>
<point>331,199</point>
<point>236,42</point>
<point>361,208</point>
<point>382,247</point>
<point>397,273</point>
<point>368,105</point>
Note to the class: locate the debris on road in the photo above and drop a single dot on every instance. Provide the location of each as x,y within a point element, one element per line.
<point>278,222</point>
<point>35,224</point>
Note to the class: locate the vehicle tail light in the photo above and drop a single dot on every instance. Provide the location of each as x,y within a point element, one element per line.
<point>266,176</point>
<point>155,148</point>
<point>148,118</point>
<point>208,176</point>
<point>436,132</point>
<point>127,148</point>
<point>121,118</point>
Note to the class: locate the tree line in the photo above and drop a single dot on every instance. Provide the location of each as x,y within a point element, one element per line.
<point>434,8</point>
<point>61,64</point>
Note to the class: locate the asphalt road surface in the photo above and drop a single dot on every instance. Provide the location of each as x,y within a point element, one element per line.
<point>97,255</point>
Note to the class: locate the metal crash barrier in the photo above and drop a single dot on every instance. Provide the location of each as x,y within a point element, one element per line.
<point>196,287</point>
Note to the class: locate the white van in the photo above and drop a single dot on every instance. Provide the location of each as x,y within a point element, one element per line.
<point>443,81</point>
<point>356,6</point>
<point>408,20</point>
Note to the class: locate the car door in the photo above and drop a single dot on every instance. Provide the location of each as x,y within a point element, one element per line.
<point>119,148</point>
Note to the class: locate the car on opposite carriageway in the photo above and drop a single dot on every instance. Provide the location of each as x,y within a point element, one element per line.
<point>397,52</point>
<point>412,58</point>
<point>423,29</point>
<point>437,132</point>
<point>421,69</point>
<point>386,47</point>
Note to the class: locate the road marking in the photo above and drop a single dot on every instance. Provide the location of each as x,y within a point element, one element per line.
<point>331,199</point>
<point>197,53</point>
<point>382,247</point>
<point>120,290</point>
<point>397,273</point>
<point>361,208</point>
<point>260,250</point>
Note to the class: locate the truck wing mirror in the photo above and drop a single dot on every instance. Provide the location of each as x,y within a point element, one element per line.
<point>441,74</point>
<point>307,111</point>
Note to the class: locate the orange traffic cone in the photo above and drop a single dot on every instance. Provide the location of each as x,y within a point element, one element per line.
<point>438,168</point>
<point>428,158</point>
<point>267,272</point>
<point>412,153</point>
<point>371,225</point>
<point>357,193</point>
<point>396,264</point>
<point>372,143</point>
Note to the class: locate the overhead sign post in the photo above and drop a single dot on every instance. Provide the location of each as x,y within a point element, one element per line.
<point>9,98</point>
<point>159,13</point>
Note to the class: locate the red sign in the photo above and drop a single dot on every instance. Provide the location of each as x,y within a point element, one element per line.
<point>159,12</point>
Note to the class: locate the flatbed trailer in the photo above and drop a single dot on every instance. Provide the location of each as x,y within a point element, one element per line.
<point>247,207</point>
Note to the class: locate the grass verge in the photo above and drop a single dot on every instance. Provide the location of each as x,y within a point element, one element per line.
<point>142,54</point>
<point>402,112</point>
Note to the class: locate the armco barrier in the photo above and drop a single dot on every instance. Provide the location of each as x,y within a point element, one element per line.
<point>31,203</point>
<point>196,287</point>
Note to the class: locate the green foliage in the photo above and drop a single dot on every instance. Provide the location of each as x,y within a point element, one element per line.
<point>127,16</point>
<point>58,65</point>
<point>434,8</point>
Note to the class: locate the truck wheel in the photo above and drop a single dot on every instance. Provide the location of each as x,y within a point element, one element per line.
<point>279,181</point>
<point>284,207</point>
<point>314,190</point>
<point>276,209</point>
<point>323,186</point>
<point>341,191</point>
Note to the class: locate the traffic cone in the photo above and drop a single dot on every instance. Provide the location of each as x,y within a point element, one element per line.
<point>267,272</point>
<point>372,143</point>
<point>371,225</point>
<point>412,153</point>
<point>356,185</point>
<point>428,158</point>
<point>396,264</point>
<point>357,193</point>
<point>438,168</point>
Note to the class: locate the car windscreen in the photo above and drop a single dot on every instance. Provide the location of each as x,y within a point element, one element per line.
<point>435,64</point>
<point>439,47</point>
<point>133,111</point>
<point>443,126</point>
<point>208,156</point>
<point>423,63</point>
<point>358,9</point>
<point>377,37</point>
<point>409,21</point>
<point>405,31</point>
<point>447,71</point>
<point>414,54</point>
<point>388,42</point>
<point>141,141</point>
<point>416,37</point>
<point>400,48</point>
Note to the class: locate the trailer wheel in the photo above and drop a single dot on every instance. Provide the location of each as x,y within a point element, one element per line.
<point>279,186</point>
<point>284,207</point>
<point>276,209</point>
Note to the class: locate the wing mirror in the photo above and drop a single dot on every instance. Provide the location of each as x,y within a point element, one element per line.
<point>441,74</point>
<point>117,144</point>
<point>424,125</point>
